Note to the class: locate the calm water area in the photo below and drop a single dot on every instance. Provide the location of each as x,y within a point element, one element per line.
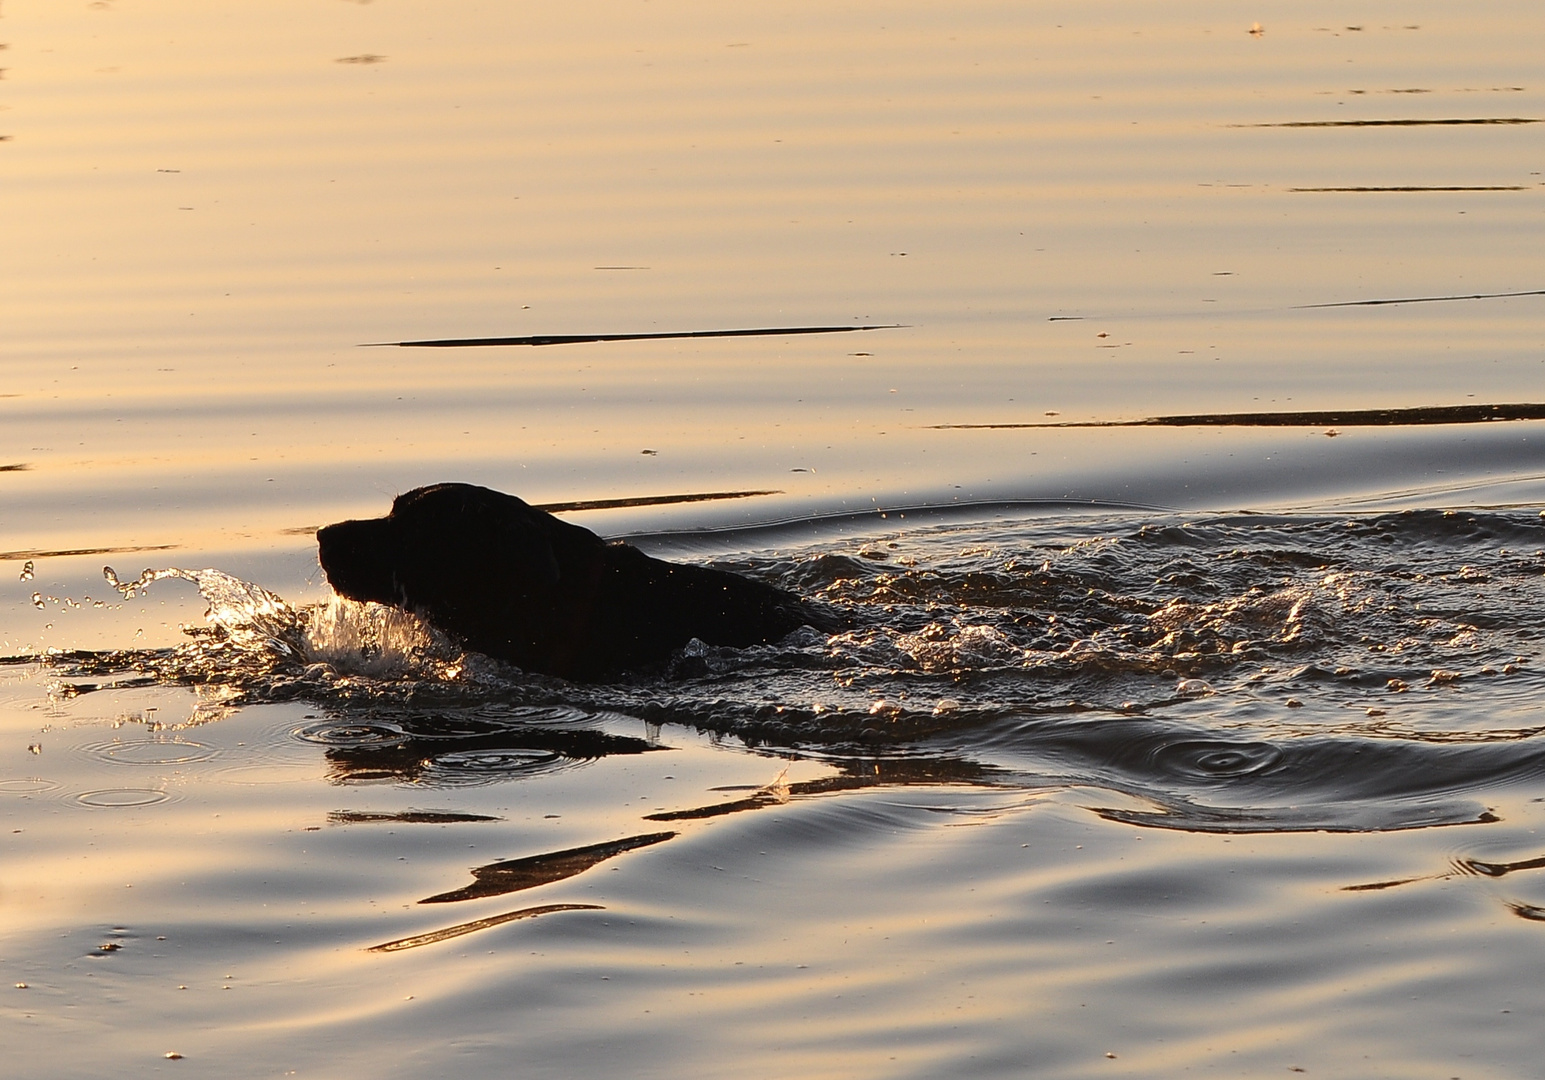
<point>1213,746</point>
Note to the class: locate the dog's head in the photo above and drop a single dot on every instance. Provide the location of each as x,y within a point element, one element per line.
<point>479,564</point>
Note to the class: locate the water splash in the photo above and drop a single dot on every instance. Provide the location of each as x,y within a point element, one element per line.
<point>1229,673</point>
<point>248,614</point>
<point>378,641</point>
<point>348,637</point>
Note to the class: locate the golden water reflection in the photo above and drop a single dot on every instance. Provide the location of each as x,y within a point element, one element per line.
<point>210,210</point>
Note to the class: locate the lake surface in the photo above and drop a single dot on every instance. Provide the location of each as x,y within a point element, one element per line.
<point>1211,746</point>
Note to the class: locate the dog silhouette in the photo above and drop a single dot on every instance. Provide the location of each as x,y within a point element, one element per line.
<point>516,583</point>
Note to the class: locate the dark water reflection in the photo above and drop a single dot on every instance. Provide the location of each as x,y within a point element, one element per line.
<point>513,875</point>
<point>440,750</point>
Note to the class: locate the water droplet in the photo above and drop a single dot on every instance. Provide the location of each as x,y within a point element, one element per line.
<point>26,570</point>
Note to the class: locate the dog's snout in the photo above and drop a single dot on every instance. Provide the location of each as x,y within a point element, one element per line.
<point>356,558</point>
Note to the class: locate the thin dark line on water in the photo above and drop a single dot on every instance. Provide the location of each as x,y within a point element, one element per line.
<point>1447,122</point>
<point>1374,886</point>
<point>1313,307</point>
<point>478,924</point>
<point>560,508</point>
<point>1421,300</point>
<point>577,339</point>
<point>1415,187</point>
<point>38,553</point>
<point>20,466</point>
<point>406,817</point>
<point>620,268</point>
<point>1422,416</point>
<point>646,500</point>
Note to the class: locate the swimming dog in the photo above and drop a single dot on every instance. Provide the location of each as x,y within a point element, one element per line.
<point>518,584</point>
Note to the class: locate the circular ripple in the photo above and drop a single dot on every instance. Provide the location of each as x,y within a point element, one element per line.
<point>1209,760</point>
<point>28,787</point>
<point>121,798</point>
<point>31,786</point>
<point>456,727</point>
<point>490,766</point>
<point>351,735</point>
<point>151,751</point>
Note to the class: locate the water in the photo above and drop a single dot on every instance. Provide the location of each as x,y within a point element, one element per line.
<point>1152,751</point>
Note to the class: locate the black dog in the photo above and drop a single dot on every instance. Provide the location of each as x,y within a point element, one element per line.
<point>518,584</point>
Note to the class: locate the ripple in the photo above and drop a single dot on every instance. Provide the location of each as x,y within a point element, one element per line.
<point>352,735</point>
<point>151,751</point>
<point>32,785</point>
<point>1207,759</point>
<point>491,766</point>
<point>122,798</point>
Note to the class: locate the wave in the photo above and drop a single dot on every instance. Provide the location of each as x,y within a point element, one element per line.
<point>1233,673</point>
